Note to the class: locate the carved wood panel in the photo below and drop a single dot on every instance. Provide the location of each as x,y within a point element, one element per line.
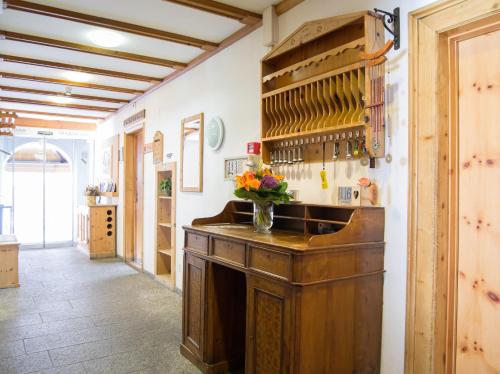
<point>268,326</point>
<point>194,299</point>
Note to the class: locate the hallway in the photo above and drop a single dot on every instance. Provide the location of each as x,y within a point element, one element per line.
<point>72,315</point>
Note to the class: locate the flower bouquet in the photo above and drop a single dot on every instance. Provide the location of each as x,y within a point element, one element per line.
<point>265,189</point>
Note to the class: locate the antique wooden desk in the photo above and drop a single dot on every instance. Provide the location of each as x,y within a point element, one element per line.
<point>305,299</point>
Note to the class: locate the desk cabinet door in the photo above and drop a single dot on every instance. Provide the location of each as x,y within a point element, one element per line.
<point>268,327</point>
<point>193,324</point>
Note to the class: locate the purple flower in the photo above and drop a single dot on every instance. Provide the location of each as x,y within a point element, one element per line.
<point>268,183</point>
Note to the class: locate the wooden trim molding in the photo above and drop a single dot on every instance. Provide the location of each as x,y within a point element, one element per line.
<point>220,9</point>
<point>64,82</point>
<point>82,69</point>
<point>33,39</point>
<point>52,114</point>
<point>430,259</point>
<point>88,19</point>
<point>62,94</point>
<point>50,103</point>
<point>54,124</point>
<point>285,5</point>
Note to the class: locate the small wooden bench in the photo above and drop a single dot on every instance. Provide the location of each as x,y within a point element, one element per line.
<point>9,263</point>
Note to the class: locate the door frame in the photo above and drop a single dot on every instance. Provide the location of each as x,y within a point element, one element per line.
<point>129,171</point>
<point>430,346</point>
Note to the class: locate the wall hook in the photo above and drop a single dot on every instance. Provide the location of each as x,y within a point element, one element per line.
<point>394,19</point>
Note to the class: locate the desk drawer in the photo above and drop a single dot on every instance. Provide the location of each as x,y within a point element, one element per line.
<point>197,242</point>
<point>271,262</point>
<point>229,250</point>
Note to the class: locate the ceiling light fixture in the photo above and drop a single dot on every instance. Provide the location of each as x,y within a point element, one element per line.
<point>77,76</point>
<point>105,38</point>
<point>61,99</point>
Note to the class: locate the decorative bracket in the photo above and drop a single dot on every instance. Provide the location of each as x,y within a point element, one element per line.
<point>394,19</point>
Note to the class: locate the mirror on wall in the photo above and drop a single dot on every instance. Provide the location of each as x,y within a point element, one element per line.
<point>191,177</point>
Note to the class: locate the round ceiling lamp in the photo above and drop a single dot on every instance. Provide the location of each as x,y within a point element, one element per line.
<point>105,38</point>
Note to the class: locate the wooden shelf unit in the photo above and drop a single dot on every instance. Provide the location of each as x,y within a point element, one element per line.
<point>317,88</point>
<point>165,226</point>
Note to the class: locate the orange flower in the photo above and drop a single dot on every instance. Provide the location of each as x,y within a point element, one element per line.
<point>240,181</point>
<point>279,178</point>
<point>253,183</point>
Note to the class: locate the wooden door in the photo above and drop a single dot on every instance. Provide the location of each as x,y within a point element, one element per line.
<point>139,198</point>
<point>477,336</point>
<point>269,323</point>
<point>193,320</point>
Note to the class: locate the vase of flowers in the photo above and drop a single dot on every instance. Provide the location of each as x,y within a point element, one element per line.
<point>265,189</point>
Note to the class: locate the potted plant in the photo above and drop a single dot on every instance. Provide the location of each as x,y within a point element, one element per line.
<point>166,186</point>
<point>265,189</point>
<point>91,192</point>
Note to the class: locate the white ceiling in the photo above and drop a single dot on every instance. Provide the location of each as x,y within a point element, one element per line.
<point>158,14</point>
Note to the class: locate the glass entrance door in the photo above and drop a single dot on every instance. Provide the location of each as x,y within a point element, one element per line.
<point>46,175</point>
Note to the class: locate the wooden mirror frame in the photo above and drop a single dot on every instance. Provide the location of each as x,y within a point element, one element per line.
<point>196,117</point>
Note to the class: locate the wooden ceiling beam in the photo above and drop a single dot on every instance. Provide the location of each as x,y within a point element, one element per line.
<point>285,5</point>
<point>88,19</point>
<point>33,39</point>
<point>64,82</point>
<point>38,113</point>
<point>54,124</point>
<point>81,69</point>
<point>63,94</point>
<point>220,9</point>
<point>50,103</point>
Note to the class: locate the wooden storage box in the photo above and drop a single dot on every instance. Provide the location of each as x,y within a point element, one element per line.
<point>9,263</point>
<point>97,230</point>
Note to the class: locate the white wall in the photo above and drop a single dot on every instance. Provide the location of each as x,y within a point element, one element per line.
<point>228,85</point>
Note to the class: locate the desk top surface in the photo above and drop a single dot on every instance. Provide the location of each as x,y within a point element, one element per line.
<point>280,238</point>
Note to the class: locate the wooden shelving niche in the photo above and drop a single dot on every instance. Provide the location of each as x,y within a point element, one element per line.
<point>165,226</point>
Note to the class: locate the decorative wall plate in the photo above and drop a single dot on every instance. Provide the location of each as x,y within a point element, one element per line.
<point>215,133</point>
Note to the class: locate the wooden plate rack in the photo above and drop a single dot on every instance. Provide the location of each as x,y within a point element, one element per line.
<point>325,84</point>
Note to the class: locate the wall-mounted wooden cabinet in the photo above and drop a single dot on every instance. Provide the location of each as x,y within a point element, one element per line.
<point>165,225</point>
<point>97,230</point>
<point>318,87</point>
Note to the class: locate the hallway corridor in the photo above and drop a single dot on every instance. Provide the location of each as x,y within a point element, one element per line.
<point>72,315</point>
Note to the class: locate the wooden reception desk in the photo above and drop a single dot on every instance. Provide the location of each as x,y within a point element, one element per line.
<point>305,299</point>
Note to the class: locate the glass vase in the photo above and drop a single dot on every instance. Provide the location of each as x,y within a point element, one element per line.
<point>263,216</point>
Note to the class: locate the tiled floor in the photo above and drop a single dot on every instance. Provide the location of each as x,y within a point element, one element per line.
<point>73,315</point>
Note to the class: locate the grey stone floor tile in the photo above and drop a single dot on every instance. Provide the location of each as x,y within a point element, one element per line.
<point>11,349</point>
<point>13,320</point>
<point>31,331</point>
<point>25,363</point>
<point>119,363</point>
<point>70,369</point>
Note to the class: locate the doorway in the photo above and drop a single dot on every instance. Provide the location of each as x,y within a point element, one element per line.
<point>41,178</point>
<point>453,314</point>
<point>134,198</point>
